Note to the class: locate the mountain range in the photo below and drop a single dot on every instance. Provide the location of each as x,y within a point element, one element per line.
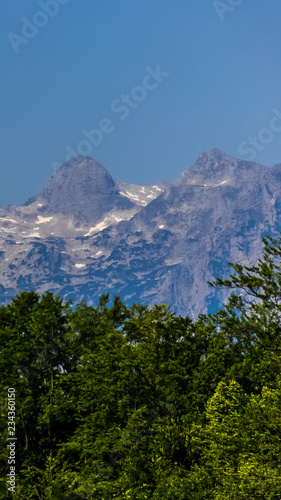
<point>85,234</point>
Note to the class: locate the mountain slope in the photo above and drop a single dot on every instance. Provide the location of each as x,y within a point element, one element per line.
<point>82,188</point>
<point>82,240</point>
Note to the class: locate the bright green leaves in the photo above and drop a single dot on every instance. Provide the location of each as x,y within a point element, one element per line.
<point>242,442</point>
<point>137,403</point>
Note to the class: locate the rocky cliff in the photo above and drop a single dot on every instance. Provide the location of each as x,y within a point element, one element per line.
<point>85,234</point>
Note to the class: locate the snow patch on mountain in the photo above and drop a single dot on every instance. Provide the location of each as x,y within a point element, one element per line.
<point>112,218</point>
<point>141,195</point>
<point>99,227</point>
<point>42,220</point>
<point>8,219</point>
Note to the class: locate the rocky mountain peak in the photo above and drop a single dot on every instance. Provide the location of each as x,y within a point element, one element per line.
<point>216,168</point>
<point>84,235</point>
<point>84,167</point>
<point>213,158</point>
<point>82,188</point>
<point>83,172</point>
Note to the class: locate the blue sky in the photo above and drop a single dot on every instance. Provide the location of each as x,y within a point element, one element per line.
<point>222,82</point>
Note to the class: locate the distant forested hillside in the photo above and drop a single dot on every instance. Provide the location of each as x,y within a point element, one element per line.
<point>138,403</point>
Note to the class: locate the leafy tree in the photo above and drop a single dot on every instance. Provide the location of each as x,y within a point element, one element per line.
<point>137,403</point>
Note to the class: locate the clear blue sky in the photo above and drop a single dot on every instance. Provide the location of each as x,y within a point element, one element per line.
<point>224,81</point>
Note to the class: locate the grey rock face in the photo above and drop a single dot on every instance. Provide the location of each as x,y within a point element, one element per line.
<point>82,188</point>
<point>84,235</point>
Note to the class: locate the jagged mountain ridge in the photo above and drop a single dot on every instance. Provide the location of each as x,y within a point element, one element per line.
<point>148,250</point>
<point>82,188</point>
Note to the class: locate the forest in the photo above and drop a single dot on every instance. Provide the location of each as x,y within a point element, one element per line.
<point>117,402</point>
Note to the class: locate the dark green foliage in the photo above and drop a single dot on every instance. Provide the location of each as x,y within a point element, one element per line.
<point>118,403</point>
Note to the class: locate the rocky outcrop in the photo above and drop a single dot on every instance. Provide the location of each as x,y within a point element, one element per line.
<point>84,234</point>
